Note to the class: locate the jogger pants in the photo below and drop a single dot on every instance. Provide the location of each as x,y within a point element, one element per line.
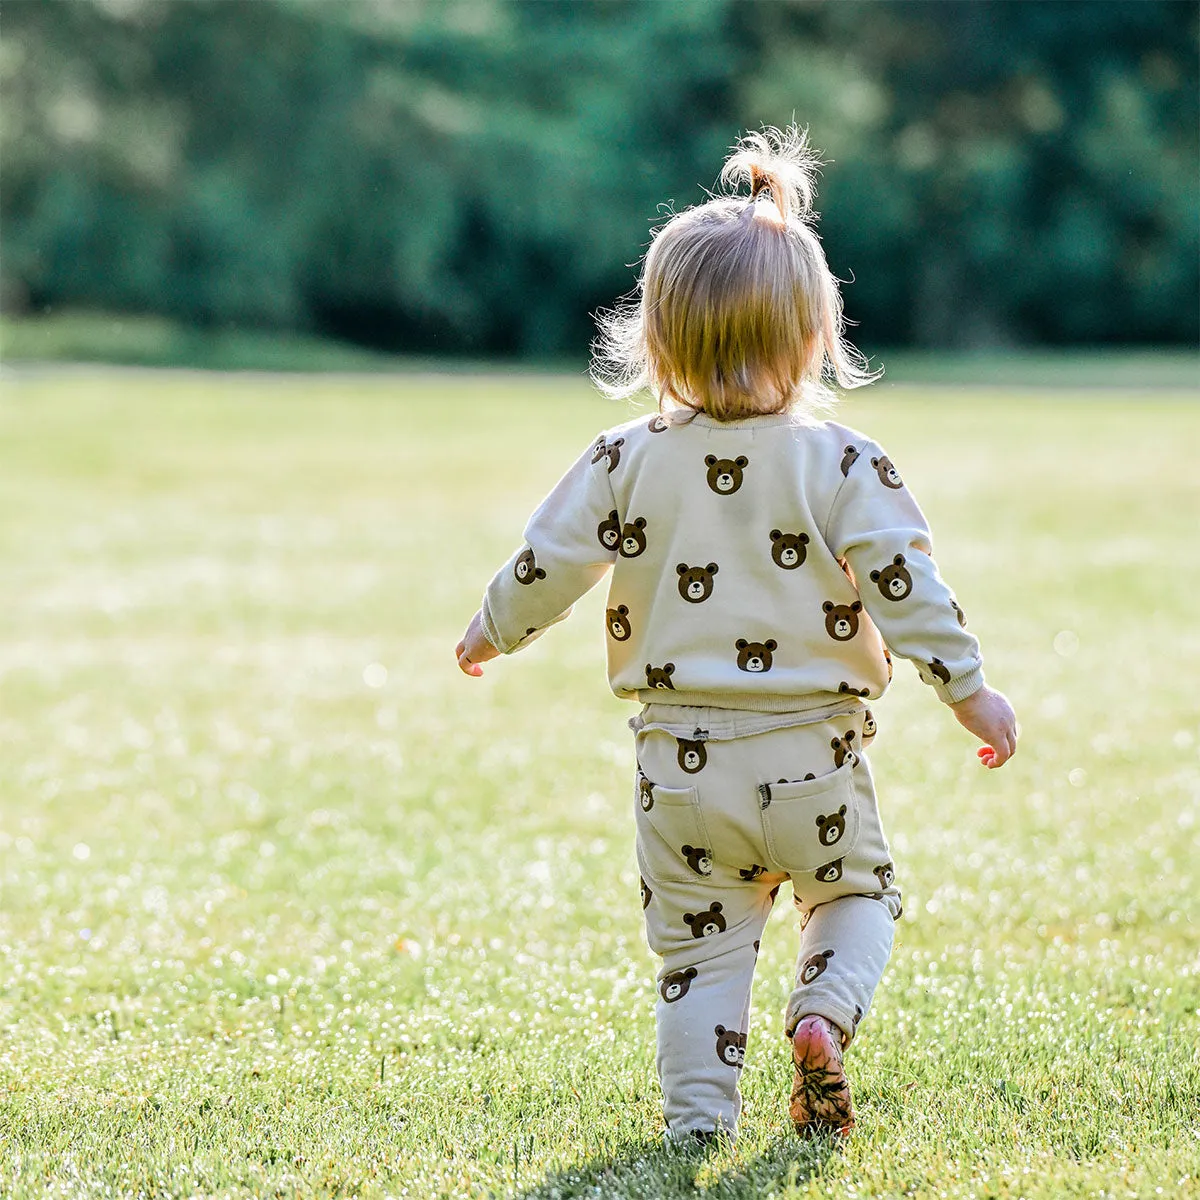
<point>722,822</point>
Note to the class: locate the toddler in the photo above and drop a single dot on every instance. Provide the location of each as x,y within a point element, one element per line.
<point>764,563</point>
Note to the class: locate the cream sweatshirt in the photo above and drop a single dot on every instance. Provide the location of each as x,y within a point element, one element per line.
<point>764,564</point>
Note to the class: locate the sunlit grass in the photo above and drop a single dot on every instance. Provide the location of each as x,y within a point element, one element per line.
<point>290,907</point>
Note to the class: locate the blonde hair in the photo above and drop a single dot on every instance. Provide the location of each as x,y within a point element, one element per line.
<point>736,312</point>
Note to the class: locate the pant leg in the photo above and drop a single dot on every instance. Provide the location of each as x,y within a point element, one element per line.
<point>844,947</point>
<point>704,986</point>
<point>846,940</point>
<point>707,896</point>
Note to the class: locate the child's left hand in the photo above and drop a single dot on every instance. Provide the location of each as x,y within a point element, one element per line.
<point>474,648</point>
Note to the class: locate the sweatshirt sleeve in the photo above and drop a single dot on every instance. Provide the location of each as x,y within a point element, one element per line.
<point>877,528</point>
<point>566,552</point>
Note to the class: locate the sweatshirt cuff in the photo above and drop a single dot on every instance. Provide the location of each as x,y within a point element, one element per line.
<point>960,688</point>
<point>489,627</point>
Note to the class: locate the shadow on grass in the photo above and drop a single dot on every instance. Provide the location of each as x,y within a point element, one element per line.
<point>652,1171</point>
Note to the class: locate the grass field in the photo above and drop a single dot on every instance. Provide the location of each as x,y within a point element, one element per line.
<point>292,908</point>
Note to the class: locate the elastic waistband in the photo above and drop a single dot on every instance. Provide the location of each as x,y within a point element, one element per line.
<point>699,723</point>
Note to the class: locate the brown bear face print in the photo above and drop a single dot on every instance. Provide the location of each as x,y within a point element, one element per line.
<point>526,569</point>
<point>751,873</point>
<point>660,677</point>
<point>844,689</point>
<point>886,875</point>
<point>731,1047</point>
<point>843,749</point>
<point>707,923</point>
<point>888,475</point>
<point>696,583</point>
<point>841,620</point>
<point>675,985</point>
<point>830,828</point>
<point>725,474</point>
<point>609,531</point>
<point>831,872</point>
<point>870,728</point>
<point>699,859</point>
<point>691,755</point>
<point>849,458</point>
<point>755,657</point>
<point>617,620</point>
<point>633,539</point>
<point>894,581</point>
<point>647,894</point>
<point>645,793</point>
<point>813,966</point>
<point>938,668</point>
<point>958,612</point>
<point>789,550</point>
<point>613,451</point>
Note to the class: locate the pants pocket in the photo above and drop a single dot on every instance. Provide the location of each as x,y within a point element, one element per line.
<point>672,840</point>
<point>812,825</point>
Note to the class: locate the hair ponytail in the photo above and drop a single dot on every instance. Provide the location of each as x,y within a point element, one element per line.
<point>779,161</point>
<point>737,312</point>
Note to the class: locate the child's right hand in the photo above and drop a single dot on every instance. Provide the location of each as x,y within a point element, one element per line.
<point>989,716</point>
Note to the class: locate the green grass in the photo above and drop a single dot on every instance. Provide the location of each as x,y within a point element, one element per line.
<point>267,930</point>
<point>82,336</point>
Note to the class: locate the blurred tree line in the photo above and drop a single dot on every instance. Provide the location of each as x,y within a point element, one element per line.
<point>478,176</point>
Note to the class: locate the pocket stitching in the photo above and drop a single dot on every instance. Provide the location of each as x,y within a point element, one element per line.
<point>812,790</point>
<point>678,798</point>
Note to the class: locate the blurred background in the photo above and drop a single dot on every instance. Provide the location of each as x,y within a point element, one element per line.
<point>316,183</point>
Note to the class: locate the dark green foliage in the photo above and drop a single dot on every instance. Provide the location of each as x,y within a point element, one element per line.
<point>478,177</point>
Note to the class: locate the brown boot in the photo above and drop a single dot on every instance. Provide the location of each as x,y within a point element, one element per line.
<point>821,1093</point>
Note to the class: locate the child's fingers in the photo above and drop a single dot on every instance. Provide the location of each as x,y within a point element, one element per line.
<point>465,665</point>
<point>997,755</point>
